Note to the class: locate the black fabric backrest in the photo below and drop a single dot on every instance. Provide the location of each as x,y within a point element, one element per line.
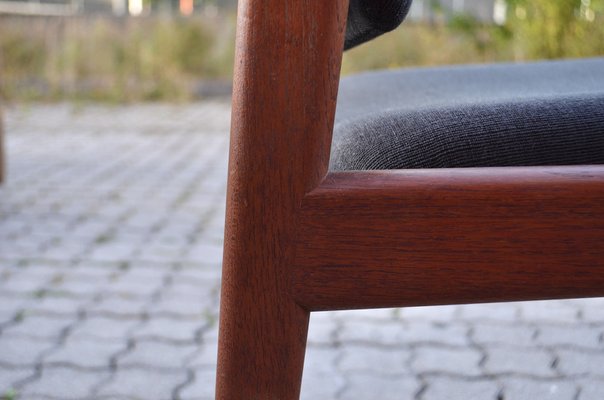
<point>368,19</point>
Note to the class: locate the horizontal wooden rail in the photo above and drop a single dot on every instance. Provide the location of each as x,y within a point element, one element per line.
<point>447,236</point>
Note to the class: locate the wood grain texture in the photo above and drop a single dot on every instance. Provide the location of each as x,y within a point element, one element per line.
<point>287,68</point>
<point>427,237</point>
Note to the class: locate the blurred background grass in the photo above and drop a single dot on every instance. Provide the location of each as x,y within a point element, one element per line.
<point>175,58</point>
<point>113,59</point>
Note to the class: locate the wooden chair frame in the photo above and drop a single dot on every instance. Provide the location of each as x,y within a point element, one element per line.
<point>299,239</point>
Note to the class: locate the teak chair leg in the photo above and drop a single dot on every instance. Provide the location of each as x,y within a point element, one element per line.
<point>286,80</point>
<point>263,357</point>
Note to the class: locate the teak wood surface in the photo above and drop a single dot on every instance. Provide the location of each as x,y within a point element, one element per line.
<point>288,55</point>
<point>298,239</point>
<point>427,237</point>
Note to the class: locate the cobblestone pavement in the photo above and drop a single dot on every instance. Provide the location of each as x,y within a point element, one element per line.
<point>110,249</point>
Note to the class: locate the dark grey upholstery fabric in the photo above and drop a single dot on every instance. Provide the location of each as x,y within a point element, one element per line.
<point>368,19</point>
<point>546,113</point>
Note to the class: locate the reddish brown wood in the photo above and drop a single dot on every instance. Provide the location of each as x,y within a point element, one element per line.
<point>296,242</point>
<point>286,77</point>
<point>424,237</point>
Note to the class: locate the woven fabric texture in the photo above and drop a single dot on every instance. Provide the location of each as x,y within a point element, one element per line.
<point>368,19</point>
<point>545,113</point>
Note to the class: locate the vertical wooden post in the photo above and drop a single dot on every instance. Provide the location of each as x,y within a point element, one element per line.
<point>287,69</point>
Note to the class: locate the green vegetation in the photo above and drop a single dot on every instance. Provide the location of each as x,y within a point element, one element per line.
<point>112,59</point>
<point>557,29</point>
<point>534,29</point>
<point>10,394</point>
<point>155,58</point>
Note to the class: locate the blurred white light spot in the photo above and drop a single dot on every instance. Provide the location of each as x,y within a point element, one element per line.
<point>500,11</point>
<point>590,15</point>
<point>135,7</point>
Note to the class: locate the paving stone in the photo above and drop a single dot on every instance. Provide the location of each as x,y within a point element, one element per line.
<point>158,355</point>
<point>161,253</point>
<point>205,253</point>
<point>19,250</point>
<point>592,310</point>
<point>88,271</point>
<point>421,332</point>
<point>113,329</point>
<point>170,329</point>
<point>321,378</point>
<point>79,288</point>
<point>134,288</point>
<point>572,362</point>
<point>385,361</point>
<point>591,389</point>
<point>322,332</point>
<point>58,305</point>
<point>183,307</point>
<point>432,314</point>
<point>148,274</point>
<point>368,332</point>
<point>198,276</point>
<point>528,389</point>
<point>441,388</point>
<point>213,233</point>
<point>89,229</point>
<point>63,383</point>
<point>577,336</point>
<point>399,333</point>
<point>507,360</point>
<point>22,352</point>
<point>380,314</point>
<point>458,361</point>
<point>203,386</point>
<point>67,252</point>
<point>158,197</point>
<point>117,252</point>
<point>549,311</point>
<point>7,317</point>
<point>27,282</point>
<point>143,384</point>
<point>11,307</point>
<point>512,335</point>
<point>325,316</point>
<point>363,387</point>
<point>196,293</point>
<point>206,356</point>
<point>85,353</point>
<point>210,333</point>
<point>10,377</point>
<point>39,326</point>
<point>497,312</point>
<point>119,306</point>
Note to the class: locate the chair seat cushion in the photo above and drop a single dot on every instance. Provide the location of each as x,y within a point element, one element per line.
<point>545,113</point>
